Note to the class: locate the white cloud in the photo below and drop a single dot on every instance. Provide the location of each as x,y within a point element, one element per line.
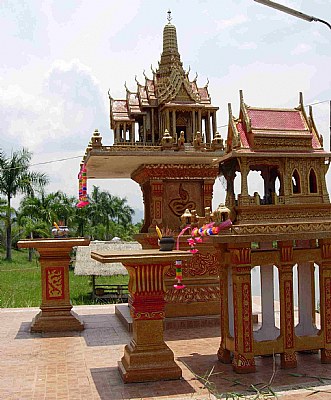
<point>301,48</point>
<point>247,46</point>
<point>231,22</point>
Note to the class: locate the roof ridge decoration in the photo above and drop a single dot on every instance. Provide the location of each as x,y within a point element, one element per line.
<point>313,127</point>
<point>235,134</point>
<point>244,112</point>
<point>301,108</point>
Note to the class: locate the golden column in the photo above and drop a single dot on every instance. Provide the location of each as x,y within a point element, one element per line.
<point>288,357</point>
<point>325,299</point>
<point>243,357</point>
<point>224,354</point>
<point>174,123</point>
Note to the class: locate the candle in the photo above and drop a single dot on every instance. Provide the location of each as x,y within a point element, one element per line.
<point>159,234</point>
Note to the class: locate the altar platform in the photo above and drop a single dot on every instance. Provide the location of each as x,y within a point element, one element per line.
<point>83,365</point>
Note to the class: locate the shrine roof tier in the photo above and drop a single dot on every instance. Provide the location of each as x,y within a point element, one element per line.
<point>122,161</point>
<point>169,87</point>
<point>273,130</point>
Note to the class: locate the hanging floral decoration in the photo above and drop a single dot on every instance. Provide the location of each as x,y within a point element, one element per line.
<point>179,276</point>
<point>82,185</point>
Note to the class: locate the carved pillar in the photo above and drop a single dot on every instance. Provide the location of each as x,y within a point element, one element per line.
<point>306,285</point>
<point>244,169</point>
<point>323,171</point>
<point>124,132</point>
<point>208,187</point>
<point>214,123</point>
<point>288,357</point>
<point>243,357</point>
<point>193,124</point>
<point>131,130</point>
<point>174,123</point>
<point>223,354</point>
<point>117,134</point>
<point>325,299</point>
<point>207,124</point>
<point>157,203</point>
<point>230,196</point>
<point>144,126</point>
<point>268,330</point>
<point>152,126</point>
<point>168,120</point>
<point>199,121</point>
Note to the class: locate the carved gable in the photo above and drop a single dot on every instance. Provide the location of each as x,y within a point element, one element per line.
<point>182,95</point>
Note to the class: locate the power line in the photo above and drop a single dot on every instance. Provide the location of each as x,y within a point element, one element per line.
<point>43,163</point>
<point>318,102</point>
<point>53,161</point>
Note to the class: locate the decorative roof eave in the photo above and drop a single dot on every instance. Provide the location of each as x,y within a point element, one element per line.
<point>196,106</point>
<point>234,139</point>
<point>124,118</point>
<point>283,132</point>
<point>301,108</point>
<point>318,138</point>
<point>234,153</point>
<point>244,113</point>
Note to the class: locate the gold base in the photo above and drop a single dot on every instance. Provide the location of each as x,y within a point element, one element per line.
<point>56,321</point>
<point>143,364</point>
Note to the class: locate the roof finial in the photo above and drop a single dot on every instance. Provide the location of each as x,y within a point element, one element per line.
<point>169,18</point>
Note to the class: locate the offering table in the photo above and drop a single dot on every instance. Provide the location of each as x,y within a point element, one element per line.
<point>147,357</point>
<point>55,314</point>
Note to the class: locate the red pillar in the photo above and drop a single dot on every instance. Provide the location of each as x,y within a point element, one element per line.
<point>288,357</point>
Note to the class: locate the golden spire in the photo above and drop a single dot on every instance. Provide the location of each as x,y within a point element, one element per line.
<point>169,18</point>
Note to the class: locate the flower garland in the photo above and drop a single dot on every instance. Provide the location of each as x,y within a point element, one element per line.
<point>196,237</point>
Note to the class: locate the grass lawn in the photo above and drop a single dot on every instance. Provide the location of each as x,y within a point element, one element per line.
<point>20,284</point>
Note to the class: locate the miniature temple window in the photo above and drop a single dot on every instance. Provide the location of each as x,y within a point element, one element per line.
<point>312,181</point>
<point>296,188</point>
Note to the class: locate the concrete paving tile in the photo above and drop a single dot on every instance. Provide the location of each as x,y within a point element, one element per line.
<point>83,365</point>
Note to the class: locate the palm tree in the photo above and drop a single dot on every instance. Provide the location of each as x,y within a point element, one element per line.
<point>16,178</point>
<point>106,209</point>
<point>31,227</point>
<point>123,212</point>
<point>64,207</point>
<point>3,210</point>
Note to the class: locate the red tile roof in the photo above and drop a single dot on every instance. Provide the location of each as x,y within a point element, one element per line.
<point>203,92</point>
<point>276,119</point>
<point>120,106</point>
<point>242,134</point>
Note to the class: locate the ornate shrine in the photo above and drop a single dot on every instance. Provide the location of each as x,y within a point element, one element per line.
<point>165,139</point>
<point>286,227</point>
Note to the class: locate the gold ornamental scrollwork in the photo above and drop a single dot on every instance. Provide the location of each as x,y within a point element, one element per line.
<point>189,295</point>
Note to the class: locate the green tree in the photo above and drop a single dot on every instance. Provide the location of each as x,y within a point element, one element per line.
<point>3,213</point>
<point>108,215</point>
<point>16,178</point>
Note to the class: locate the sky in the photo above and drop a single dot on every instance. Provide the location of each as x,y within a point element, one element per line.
<point>60,58</point>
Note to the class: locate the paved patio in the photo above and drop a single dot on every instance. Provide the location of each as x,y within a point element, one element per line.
<point>84,365</point>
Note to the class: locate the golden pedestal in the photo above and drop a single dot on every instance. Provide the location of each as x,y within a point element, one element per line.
<point>56,314</point>
<point>147,357</point>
